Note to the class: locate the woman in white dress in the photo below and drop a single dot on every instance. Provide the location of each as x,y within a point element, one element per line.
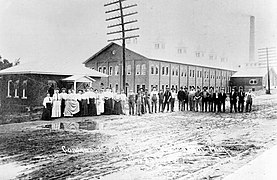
<point>56,109</point>
<point>100,102</point>
<point>71,104</point>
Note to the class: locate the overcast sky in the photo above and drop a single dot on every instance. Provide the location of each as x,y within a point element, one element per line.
<point>72,30</point>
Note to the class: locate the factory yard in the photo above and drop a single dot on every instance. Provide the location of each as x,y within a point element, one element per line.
<point>179,145</point>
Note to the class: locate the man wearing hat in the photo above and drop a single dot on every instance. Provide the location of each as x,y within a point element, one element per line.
<point>233,100</point>
<point>186,98</point>
<point>205,97</point>
<point>211,99</point>
<point>181,98</point>
<point>166,100</point>
<point>222,98</point>
<point>241,95</point>
<point>172,99</point>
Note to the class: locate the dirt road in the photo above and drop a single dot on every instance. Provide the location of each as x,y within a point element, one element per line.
<point>179,145</point>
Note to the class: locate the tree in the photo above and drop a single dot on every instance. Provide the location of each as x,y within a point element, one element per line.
<point>5,63</point>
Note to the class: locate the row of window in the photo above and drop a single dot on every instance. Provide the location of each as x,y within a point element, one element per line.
<point>140,70</point>
<point>15,86</point>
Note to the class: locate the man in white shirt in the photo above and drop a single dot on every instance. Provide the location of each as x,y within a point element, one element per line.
<point>249,100</point>
<point>173,97</point>
<point>154,96</point>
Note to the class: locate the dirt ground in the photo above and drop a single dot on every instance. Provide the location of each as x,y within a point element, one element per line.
<point>179,145</point>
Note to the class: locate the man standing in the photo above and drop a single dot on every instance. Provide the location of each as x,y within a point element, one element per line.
<point>172,99</point>
<point>198,99</point>
<point>191,98</point>
<point>186,99</point>
<point>233,100</point>
<point>161,99</point>
<point>131,102</point>
<point>123,101</point>
<point>216,101</point>
<point>147,101</point>
<point>241,99</point>
<point>154,99</point>
<point>249,99</point>
<point>211,99</point>
<point>181,98</point>
<point>139,102</point>
<point>166,100</point>
<point>222,98</point>
<point>205,99</point>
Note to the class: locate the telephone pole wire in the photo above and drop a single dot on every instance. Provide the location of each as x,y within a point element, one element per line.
<point>120,15</point>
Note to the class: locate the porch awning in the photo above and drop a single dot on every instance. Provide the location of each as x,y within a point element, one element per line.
<point>79,78</point>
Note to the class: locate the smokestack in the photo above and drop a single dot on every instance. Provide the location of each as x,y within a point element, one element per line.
<point>252,39</point>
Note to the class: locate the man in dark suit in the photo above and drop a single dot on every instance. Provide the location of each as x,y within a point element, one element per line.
<point>233,100</point>
<point>167,97</point>
<point>181,98</point>
<point>222,98</point>
<point>205,98</point>
<point>216,101</point>
<point>211,99</point>
<point>241,95</point>
<point>186,99</point>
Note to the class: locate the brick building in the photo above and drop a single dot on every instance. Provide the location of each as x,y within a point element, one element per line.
<point>24,86</point>
<point>143,72</point>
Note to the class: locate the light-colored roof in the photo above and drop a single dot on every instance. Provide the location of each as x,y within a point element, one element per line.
<point>79,78</point>
<point>52,69</point>
<point>251,72</point>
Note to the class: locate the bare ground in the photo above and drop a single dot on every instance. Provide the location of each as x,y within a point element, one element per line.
<point>179,145</point>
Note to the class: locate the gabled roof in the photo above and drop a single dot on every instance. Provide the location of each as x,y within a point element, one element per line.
<point>79,78</point>
<point>52,69</point>
<point>107,47</point>
<point>251,72</point>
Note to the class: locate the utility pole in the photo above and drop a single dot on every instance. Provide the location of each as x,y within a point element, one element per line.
<point>267,54</point>
<point>121,16</point>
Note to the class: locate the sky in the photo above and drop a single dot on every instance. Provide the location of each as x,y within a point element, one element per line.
<point>70,31</point>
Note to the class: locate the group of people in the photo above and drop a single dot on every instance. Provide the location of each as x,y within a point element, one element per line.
<point>91,102</point>
<point>88,102</point>
<point>214,100</point>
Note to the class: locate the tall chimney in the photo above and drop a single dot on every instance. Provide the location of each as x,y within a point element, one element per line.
<point>252,39</point>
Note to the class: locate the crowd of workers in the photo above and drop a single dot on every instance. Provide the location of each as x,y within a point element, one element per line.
<point>91,102</point>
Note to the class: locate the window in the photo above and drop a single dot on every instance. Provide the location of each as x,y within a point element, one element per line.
<point>182,74</point>
<point>211,57</point>
<point>116,87</point>
<point>185,74</point>
<point>173,72</point>
<point>197,73</point>
<point>200,74</point>
<point>143,69</point>
<point>104,70</point>
<point>135,40</point>
<point>253,81</point>
<point>116,70</point>
<point>179,51</point>
<point>157,46</point>
<point>162,70</point>
<point>100,69</point>
<point>163,87</point>
<point>24,85</point>
<point>157,70</point>
<point>129,69</point>
<point>9,88</point>
<point>166,70</point>
<point>16,84</point>
<point>192,73</point>
<point>197,54</point>
<point>177,73</point>
<point>111,71</point>
<point>138,69</point>
<point>152,69</point>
